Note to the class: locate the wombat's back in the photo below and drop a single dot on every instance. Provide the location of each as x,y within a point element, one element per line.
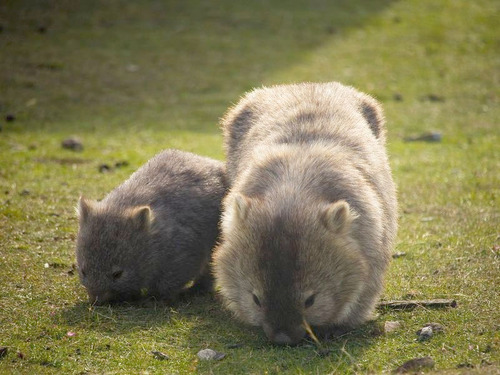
<point>301,113</point>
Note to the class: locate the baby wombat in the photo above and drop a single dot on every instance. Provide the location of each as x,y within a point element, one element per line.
<point>154,233</point>
<point>310,217</point>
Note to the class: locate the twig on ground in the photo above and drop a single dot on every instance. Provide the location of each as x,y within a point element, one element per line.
<point>411,304</point>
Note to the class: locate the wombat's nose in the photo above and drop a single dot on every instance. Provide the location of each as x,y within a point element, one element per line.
<point>98,299</point>
<point>282,339</point>
<point>291,337</point>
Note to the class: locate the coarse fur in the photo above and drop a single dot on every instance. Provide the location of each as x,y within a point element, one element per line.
<point>311,215</point>
<point>154,233</point>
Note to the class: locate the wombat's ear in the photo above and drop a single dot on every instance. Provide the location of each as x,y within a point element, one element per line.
<point>143,217</point>
<point>338,216</point>
<point>373,114</point>
<point>241,206</point>
<point>84,208</point>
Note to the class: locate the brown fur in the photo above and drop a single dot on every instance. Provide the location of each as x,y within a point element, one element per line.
<point>311,210</point>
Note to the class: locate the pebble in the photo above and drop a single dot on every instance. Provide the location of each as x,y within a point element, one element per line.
<point>415,364</point>
<point>122,163</point>
<point>391,326</point>
<point>210,354</point>
<point>72,144</point>
<point>103,168</point>
<point>397,97</point>
<point>428,330</point>
<point>424,333</point>
<point>159,355</point>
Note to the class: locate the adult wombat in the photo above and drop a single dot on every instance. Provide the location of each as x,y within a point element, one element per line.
<point>154,233</point>
<point>310,218</point>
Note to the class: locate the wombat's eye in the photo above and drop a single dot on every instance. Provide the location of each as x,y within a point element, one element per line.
<point>310,301</point>
<point>83,273</point>
<point>256,300</point>
<point>117,274</point>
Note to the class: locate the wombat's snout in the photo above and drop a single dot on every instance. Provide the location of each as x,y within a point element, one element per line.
<point>288,336</point>
<point>99,299</point>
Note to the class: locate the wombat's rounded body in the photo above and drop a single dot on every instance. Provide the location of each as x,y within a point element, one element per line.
<point>154,233</point>
<point>311,215</point>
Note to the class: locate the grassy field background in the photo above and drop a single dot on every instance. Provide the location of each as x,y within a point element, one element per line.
<point>132,78</point>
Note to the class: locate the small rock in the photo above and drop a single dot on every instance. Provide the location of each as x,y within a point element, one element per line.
<point>397,97</point>
<point>10,117</point>
<point>415,364</point>
<point>424,333</point>
<point>398,254</point>
<point>433,98</point>
<point>122,163</point>
<point>210,354</point>
<point>391,326</point>
<point>20,355</point>
<point>72,270</point>
<point>436,327</point>
<point>159,355</point>
<point>24,192</point>
<point>72,144</point>
<point>104,168</point>
<point>431,137</point>
<point>3,351</point>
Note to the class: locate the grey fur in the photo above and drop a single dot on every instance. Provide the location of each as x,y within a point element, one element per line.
<point>154,233</point>
<point>311,214</point>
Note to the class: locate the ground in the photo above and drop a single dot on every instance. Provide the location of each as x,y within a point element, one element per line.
<point>129,79</point>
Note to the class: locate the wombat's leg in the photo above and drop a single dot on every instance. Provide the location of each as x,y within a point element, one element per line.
<point>204,282</point>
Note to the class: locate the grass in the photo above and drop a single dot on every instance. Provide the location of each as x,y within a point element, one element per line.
<point>132,78</point>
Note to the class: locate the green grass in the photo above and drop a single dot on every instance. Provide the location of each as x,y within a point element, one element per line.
<point>132,78</point>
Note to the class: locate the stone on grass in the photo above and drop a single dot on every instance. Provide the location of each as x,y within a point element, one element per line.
<point>428,330</point>
<point>424,333</point>
<point>210,354</point>
<point>160,355</point>
<point>72,144</point>
<point>390,326</point>
<point>415,364</point>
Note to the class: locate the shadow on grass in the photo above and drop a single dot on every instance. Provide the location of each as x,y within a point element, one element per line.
<point>94,66</point>
<point>200,323</point>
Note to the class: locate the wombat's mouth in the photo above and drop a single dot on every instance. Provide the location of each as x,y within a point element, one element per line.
<point>113,299</point>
